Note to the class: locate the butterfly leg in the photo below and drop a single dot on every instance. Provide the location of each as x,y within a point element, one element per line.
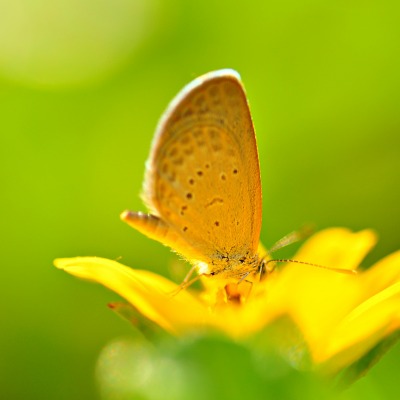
<point>186,281</point>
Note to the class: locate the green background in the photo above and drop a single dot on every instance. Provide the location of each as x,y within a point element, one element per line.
<point>82,86</point>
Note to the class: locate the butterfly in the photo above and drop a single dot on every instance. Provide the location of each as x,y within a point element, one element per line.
<point>202,183</point>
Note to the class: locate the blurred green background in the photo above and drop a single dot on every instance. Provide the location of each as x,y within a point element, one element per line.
<point>82,86</point>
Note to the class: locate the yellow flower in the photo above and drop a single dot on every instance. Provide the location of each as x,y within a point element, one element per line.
<point>340,317</point>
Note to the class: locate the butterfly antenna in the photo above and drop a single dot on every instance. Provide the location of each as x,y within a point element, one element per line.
<point>293,237</point>
<point>284,260</point>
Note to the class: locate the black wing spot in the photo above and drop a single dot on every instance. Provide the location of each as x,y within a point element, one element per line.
<point>183,209</point>
<point>214,201</point>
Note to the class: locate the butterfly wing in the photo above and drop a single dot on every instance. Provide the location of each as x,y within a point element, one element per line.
<point>202,181</point>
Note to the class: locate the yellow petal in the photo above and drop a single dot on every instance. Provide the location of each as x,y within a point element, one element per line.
<point>337,248</point>
<point>363,328</point>
<point>317,299</point>
<point>383,274</point>
<point>149,293</point>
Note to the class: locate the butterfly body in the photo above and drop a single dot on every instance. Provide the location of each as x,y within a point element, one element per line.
<point>202,183</point>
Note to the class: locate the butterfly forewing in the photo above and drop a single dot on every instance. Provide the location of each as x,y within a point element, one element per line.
<point>203,178</point>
